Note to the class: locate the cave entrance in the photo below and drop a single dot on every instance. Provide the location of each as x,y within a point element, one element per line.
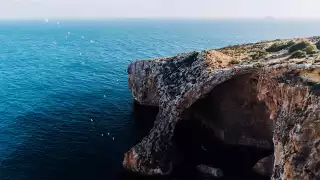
<point>228,129</point>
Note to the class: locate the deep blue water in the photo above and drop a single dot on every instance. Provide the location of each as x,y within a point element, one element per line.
<point>52,86</point>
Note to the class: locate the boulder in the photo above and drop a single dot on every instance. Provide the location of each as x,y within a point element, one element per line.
<point>210,171</point>
<point>264,166</point>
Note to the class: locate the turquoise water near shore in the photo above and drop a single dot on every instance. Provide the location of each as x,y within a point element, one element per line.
<point>64,94</point>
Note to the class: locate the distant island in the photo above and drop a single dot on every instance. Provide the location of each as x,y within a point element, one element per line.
<point>269,18</point>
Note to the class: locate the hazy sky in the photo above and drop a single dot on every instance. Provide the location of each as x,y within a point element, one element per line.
<point>158,8</point>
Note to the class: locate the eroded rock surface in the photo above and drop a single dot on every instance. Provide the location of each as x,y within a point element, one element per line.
<point>210,171</point>
<point>269,103</point>
<point>264,166</point>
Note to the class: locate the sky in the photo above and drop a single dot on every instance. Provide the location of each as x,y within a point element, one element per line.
<point>42,9</point>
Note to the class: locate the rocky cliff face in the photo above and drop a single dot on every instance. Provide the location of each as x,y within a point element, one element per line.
<point>263,102</point>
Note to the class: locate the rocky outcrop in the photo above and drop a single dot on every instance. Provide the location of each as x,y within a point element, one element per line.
<point>270,102</point>
<point>210,171</point>
<point>264,167</point>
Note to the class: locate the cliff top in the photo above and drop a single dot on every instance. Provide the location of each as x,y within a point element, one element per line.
<point>300,50</point>
<point>268,49</point>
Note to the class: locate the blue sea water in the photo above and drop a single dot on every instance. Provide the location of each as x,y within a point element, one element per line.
<point>51,86</point>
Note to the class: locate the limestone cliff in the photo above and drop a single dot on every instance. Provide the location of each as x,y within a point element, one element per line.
<point>245,94</point>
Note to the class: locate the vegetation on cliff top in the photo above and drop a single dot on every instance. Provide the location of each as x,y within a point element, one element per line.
<point>259,55</point>
<point>311,49</point>
<point>283,49</point>
<point>233,61</point>
<point>299,46</point>
<point>318,44</point>
<point>278,46</point>
<point>298,54</point>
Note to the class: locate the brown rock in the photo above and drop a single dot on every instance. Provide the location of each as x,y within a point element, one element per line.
<point>264,166</point>
<point>253,103</point>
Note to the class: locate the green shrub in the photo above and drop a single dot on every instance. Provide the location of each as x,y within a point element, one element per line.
<point>318,45</point>
<point>278,46</point>
<point>233,61</point>
<point>291,43</point>
<point>311,49</point>
<point>259,55</point>
<point>298,54</point>
<point>299,46</point>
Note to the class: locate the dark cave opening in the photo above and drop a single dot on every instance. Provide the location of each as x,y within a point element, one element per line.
<point>199,147</point>
<point>229,129</point>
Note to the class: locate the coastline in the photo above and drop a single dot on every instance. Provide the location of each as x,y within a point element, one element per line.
<point>274,85</point>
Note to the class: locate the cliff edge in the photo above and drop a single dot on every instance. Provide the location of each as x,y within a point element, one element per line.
<point>263,95</point>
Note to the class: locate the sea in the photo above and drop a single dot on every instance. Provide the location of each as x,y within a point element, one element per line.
<point>65,108</point>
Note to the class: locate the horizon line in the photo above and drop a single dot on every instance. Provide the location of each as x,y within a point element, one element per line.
<point>160,18</point>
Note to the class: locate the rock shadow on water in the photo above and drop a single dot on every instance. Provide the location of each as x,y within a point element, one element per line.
<point>143,118</point>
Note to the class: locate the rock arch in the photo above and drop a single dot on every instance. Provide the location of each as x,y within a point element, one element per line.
<point>284,91</point>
